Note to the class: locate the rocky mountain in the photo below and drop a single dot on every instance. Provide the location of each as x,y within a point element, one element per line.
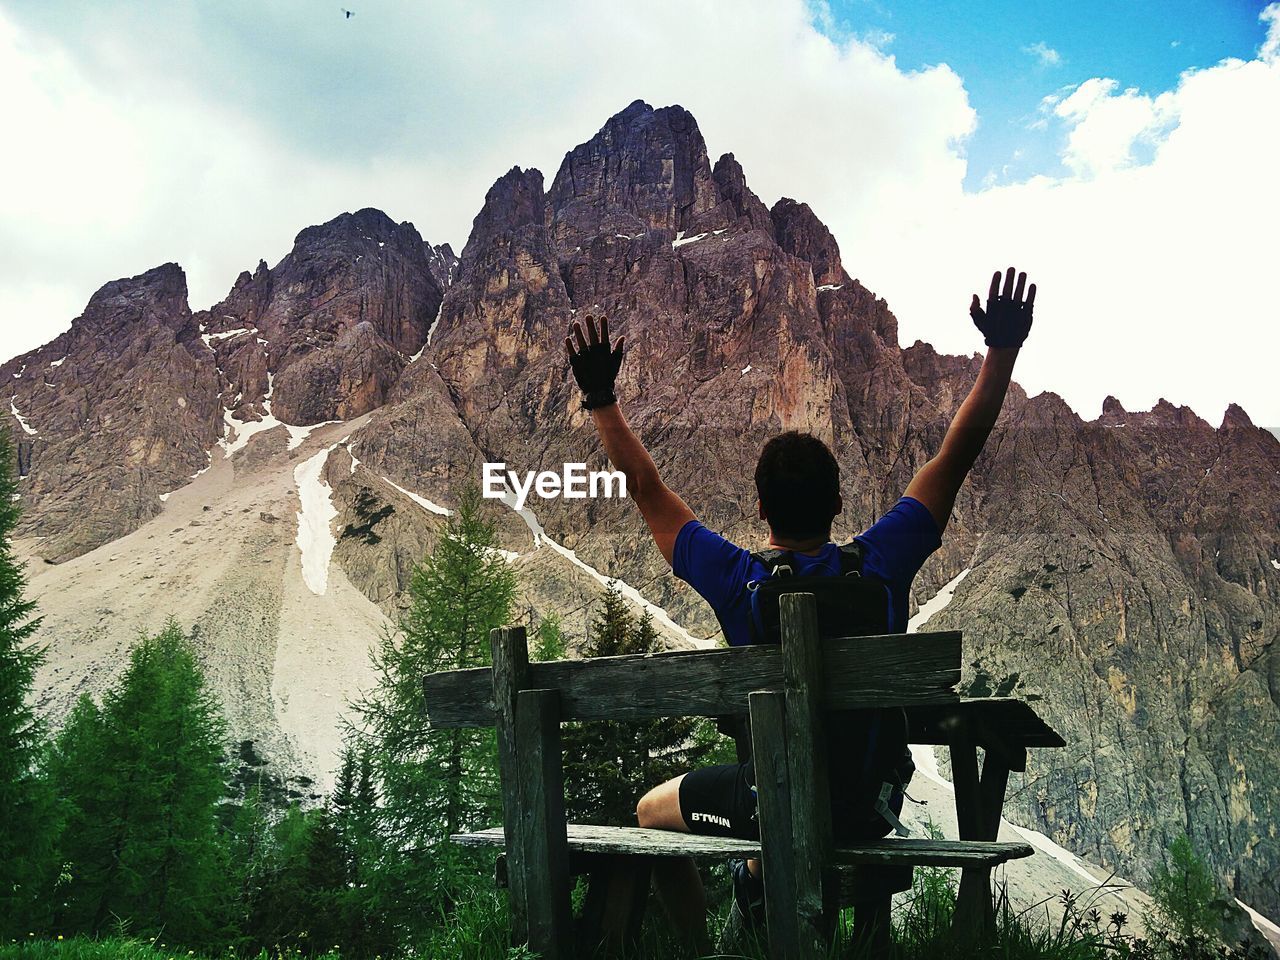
<point>1125,569</point>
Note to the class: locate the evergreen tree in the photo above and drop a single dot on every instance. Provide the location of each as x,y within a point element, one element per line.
<point>433,783</point>
<point>1188,907</point>
<point>26,825</point>
<point>549,642</point>
<point>608,764</point>
<point>140,779</point>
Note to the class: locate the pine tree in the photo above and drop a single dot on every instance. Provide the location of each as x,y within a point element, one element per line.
<point>141,779</point>
<point>1188,906</point>
<point>549,642</point>
<point>27,824</point>
<point>434,783</point>
<point>608,764</point>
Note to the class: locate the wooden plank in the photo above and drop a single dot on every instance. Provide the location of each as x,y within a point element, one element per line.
<point>544,837</point>
<point>802,668</point>
<point>592,839</point>
<point>510,654</point>
<point>773,811</point>
<point>1015,721</point>
<point>894,670</point>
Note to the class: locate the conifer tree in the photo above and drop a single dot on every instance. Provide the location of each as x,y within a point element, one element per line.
<point>549,642</point>
<point>433,783</point>
<point>608,764</point>
<point>1187,905</point>
<point>27,823</point>
<point>141,779</point>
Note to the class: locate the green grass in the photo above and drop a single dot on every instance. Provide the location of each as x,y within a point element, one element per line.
<point>117,948</point>
<point>478,929</point>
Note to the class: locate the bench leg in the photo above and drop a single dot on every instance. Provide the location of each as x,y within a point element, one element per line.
<point>613,913</point>
<point>979,802</point>
<point>872,927</point>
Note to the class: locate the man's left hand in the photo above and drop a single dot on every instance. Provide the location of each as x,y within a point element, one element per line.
<point>1007,319</point>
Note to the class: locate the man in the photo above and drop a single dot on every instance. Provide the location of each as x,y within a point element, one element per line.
<point>797,482</point>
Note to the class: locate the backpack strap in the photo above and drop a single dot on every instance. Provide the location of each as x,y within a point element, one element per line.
<point>780,563</point>
<point>852,555</point>
<point>776,561</point>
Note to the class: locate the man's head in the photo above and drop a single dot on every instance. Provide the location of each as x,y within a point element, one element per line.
<point>798,482</point>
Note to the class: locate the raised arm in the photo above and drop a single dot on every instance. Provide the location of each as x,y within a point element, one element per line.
<point>595,367</point>
<point>1005,323</point>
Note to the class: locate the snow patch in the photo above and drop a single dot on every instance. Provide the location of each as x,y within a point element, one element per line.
<point>18,375</point>
<point>59,362</point>
<point>1264,924</point>
<point>681,239</point>
<point>315,537</point>
<point>936,603</point>
<point>431,330</point>
<point>244,432</point>
<point>419,500</point>
<point>22,421</point>
<point>298,435</point>
<point>747,368</point>
<point>1276,564</point>
<point>355,461</point>
<point>631,593</point>
<point>830,286</point>
<point>211,338</point>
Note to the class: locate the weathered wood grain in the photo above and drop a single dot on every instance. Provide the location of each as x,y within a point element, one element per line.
<point>894,670</point>
<point>773,810</point>
<point>588,838</point>
<point>807,774</point>
<point>544,838</point>
<point>510,654</point>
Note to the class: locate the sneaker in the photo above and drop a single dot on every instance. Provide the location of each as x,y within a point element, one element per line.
<point>746,913</point>
<point>748,894</point>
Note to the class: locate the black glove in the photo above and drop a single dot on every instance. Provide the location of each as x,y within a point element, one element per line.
<point>1007,319</point>
<point>595,365</point>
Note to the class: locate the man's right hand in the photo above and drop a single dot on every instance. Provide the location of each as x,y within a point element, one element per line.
<point>1007,319</point>
<point>595,366</point>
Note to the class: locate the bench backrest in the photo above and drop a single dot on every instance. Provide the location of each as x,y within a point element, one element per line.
<point>882,671</point>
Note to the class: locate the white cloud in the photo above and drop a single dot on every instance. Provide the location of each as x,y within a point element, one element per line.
<point>1106,127</point>
<point>210,136</point>
<point>1154,276</point>
<point>1045,55</point>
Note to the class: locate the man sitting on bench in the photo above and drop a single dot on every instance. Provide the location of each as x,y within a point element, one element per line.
<point>798,485</point>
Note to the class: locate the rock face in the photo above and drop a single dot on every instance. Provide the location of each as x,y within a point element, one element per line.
<point>120,409</point>
<point>1126,570</point>
<point>334,322</point>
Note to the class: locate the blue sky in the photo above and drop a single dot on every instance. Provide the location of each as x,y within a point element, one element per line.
<point>1142,196</point>
<point>1012,54</point>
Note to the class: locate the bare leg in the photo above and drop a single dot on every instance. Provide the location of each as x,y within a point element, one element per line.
<point>677,879</point>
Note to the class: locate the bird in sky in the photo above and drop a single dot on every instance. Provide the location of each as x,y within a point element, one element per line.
<point>349,13</point>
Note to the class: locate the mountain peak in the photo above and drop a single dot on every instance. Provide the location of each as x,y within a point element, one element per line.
<point>159,295</point>
<point>1235,418</point>
<point>645,169</point>
<point>515,200</point>
<point>803,235</point>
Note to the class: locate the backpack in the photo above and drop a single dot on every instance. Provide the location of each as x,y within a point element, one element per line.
<point>866,795</point>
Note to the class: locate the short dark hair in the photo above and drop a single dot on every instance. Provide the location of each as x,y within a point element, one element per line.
<point>798,482</point>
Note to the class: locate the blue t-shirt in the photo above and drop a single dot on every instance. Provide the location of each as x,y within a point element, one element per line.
<point>896,547</point>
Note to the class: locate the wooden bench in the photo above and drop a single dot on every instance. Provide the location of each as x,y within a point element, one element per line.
<point>783,689</point>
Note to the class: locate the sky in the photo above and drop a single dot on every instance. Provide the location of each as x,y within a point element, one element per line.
<point>1124,154</point>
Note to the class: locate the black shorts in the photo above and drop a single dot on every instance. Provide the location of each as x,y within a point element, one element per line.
<point>720,801</point>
